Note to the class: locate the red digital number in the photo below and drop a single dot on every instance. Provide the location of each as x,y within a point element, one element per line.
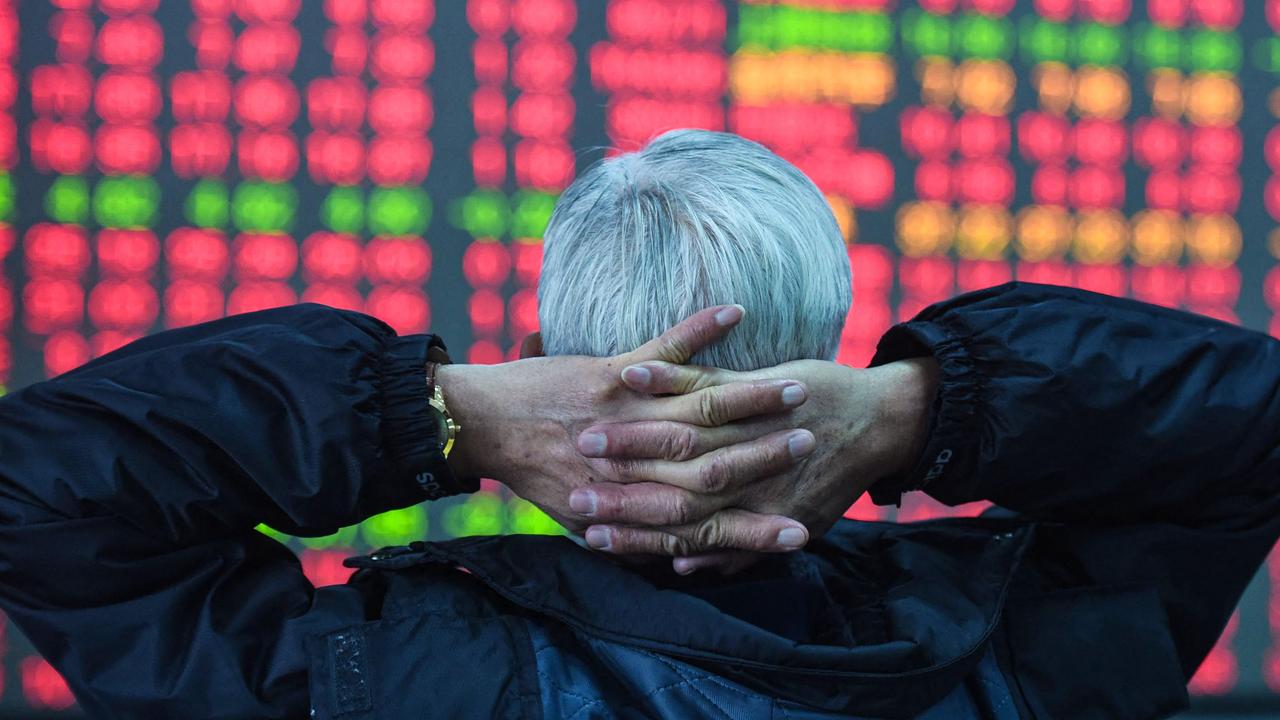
<point>196,253</point>
<point>133,41</point>
<point>400,110</point>
<point>330,256</point>
<point>397,260</point>
<point>336,103</point>
<point>399,160</point>
<point>336,158</point>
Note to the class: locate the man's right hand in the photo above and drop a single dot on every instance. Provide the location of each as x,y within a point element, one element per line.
<point>869,424</point>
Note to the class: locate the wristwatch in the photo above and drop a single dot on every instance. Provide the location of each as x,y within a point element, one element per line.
<point>446,428</point>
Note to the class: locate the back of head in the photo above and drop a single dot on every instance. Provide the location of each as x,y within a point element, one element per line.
<point>696,218</point>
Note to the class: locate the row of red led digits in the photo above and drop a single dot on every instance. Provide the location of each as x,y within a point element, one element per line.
<point>56,254</point>
<point>542,120</point>
<point>379,85</point>
<point>400,113</point>
<point>337,106</point>
<point>265,105</point>
<point>398,108</point>
<point>523,111</point>
<point>124,304</point>
<point>487,263</point>
<point>197,259</point>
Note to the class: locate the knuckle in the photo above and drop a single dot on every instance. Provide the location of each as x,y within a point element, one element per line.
<point>709,533</point>
<point>675,349</point>
<point>715,474</point>
<point>686,379</point>
<point>711,408</point>
<point>680,444</point>
<point>684,382</point>
<point>675,545</point>
<point>680,510</point>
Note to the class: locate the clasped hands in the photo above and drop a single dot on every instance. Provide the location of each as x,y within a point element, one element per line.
<point>646,455</point>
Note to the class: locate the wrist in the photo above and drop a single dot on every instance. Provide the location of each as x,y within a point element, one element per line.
<point>464,389</point>
<point>905,393</point>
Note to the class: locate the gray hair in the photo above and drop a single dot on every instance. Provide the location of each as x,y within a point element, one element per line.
<point>694,219</point>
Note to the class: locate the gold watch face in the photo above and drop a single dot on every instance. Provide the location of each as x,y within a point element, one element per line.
<point>446,429</point>
<point>443,435</point>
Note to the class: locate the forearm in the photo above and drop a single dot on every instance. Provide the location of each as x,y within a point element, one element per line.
<point>306,418</point>
<point>1071,405</point>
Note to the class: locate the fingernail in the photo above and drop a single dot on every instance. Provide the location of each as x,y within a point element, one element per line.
<point>598,538</point>
<point>583,502</point>
<point>636,375</point>
<point>729,315</point>
<point>799,444</point>
<point>792,395</point>
<point>790,538</point>
<point>683,567</point>
<point>592,444</point>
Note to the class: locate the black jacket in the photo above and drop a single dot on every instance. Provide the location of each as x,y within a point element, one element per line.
<point>1135,452</point>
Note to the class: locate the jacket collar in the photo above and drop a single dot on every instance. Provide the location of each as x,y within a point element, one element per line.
<point>920,602</point>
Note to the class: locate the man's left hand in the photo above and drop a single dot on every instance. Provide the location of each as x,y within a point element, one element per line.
<point>868,424</point>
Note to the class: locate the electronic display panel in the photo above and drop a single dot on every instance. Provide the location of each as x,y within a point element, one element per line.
<point>164,164</point>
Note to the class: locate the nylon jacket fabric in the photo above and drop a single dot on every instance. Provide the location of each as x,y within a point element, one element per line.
<point>130,487</point>
<point>1134,451</point>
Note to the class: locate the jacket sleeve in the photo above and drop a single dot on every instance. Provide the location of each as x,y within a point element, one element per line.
<point>130,489</point>
<point>1152,436</point>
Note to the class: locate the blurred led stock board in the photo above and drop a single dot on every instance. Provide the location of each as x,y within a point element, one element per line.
<point>170,163</point>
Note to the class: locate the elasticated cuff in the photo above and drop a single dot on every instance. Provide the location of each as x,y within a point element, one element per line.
<point>950,452</point>
<point>408,429</point>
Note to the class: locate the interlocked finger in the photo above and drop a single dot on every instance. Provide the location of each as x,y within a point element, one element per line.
<point>667,440</point>
<point>688,336</point>
<point>653,504</point>
<point>722,471</point>
<point>724,404</point>
<point>731,529</point>
<point>663,378</point>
